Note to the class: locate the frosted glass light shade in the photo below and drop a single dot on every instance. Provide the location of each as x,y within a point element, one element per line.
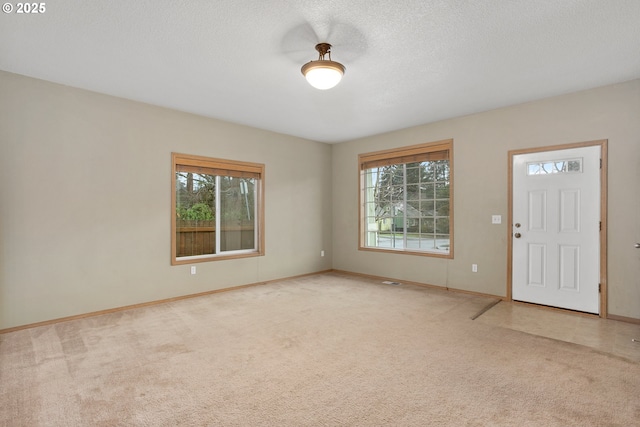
<point>323,74</point>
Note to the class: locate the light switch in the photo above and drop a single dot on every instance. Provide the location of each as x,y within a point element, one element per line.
<point>496,219</point>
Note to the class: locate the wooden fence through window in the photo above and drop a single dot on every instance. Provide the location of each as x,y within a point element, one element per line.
<point>195,237</point>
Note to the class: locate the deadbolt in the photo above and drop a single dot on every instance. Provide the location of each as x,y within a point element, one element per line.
<point>517,235</point>
<point>517,225</point>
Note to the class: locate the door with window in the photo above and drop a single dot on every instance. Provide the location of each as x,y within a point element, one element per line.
<point>556,208</point>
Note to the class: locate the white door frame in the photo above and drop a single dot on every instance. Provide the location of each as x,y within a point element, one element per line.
<point>603,214</point>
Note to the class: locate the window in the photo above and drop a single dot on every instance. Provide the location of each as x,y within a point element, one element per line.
<point>554,166</point>
<point>406,200</point>
<point>217,209</point>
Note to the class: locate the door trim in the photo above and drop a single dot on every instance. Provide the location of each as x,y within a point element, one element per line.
<point>602,143</point>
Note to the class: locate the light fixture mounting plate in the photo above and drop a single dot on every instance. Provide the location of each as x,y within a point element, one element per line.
<point>323,49</point>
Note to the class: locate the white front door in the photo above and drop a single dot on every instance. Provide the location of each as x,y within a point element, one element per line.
<point>556,228</point>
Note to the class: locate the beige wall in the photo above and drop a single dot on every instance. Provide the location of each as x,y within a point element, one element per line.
<point>481,144</point>
<point>85,201</point>
<point>85,197</point>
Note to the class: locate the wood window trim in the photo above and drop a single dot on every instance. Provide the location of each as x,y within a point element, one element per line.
<point>438,150</point>
<point>202,164</point>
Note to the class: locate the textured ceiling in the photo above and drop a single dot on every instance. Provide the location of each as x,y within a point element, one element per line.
<point>408,62</point>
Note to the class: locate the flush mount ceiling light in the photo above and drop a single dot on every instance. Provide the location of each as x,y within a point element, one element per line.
<point>323,73</point>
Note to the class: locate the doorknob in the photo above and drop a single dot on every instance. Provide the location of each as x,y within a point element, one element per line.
<point>637,245</point>
<point>517,235</point>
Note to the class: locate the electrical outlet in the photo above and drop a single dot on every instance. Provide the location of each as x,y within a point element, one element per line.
<point>496,219</point>
<point>474,268</point>
<point>193,269</point>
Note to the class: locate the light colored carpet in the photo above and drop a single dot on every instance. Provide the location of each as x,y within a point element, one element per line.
<point>324,350</point>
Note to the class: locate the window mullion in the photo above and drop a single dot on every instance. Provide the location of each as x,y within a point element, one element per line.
<point>406,208</point>
<point>218,214</point>
<point>256,202</point>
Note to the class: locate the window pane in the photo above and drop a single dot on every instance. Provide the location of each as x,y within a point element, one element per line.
<point>237,213</point>
<point>370,209</point>
<point>442,208</point>
<point>442,225</point>
<point>427,242</point>
<point>574,166</point>
<point>554,166</point>
<point>442,190</point>
<point>195,219</point>
<point>413,192</point>
<point>413,173</point>
<point>427,225</point>
<point>385,240</point>
<point>442,243</point>
<point>427,207</point>
<point>398,223</point>
<point>412,225</point>
<point>427,191</point>
<point>442,170</point>
<point>396,193</point>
